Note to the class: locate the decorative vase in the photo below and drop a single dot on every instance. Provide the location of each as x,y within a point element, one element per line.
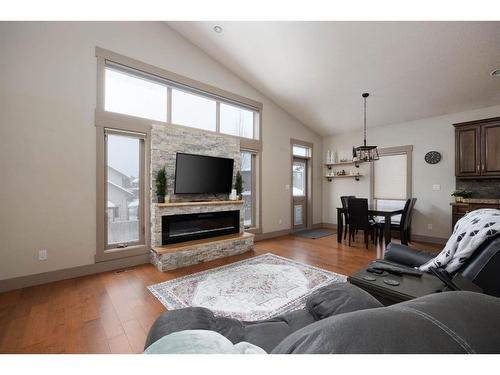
<point>459,199</point>
<point>233,196</point>
<point>161,198</point>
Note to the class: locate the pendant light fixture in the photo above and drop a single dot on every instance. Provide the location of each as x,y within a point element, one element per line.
<point>365,153</point>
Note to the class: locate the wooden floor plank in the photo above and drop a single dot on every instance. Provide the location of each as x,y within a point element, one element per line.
<point>113,311</point>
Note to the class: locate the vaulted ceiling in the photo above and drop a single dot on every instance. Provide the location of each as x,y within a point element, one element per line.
<point>317,71</point>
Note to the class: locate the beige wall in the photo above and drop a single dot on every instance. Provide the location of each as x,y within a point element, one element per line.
<point>47,135</point>
<point>436,133</point>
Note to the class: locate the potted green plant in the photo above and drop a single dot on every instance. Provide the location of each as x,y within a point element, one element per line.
<point>161,184</point>
<point>238,184</point>
<point>460,194</point>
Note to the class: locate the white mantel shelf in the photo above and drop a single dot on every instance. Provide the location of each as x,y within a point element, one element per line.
<point>200,203</point>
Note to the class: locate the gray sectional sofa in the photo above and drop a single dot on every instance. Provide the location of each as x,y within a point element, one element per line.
<point>341,318</point>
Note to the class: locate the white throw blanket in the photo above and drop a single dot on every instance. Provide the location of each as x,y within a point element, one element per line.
<point>469,233</point>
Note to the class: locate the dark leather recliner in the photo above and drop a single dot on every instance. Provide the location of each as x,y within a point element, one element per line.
<point>483,268</point>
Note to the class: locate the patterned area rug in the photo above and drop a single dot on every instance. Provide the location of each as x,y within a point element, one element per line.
<point>252,289</point>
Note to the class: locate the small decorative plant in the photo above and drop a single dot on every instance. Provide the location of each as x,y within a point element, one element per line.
<point>460,194</point>
<point>238,184</point>
<point>161,184</point>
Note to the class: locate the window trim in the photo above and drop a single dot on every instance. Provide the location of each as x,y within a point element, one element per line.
<point>398,150</point>
<point>253,162</point>
<point>104,252</point>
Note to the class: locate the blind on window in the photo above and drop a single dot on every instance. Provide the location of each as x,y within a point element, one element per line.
<point>390,177</point>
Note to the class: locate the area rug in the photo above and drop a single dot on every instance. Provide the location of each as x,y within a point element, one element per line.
<point>314,233</point>
<point>253,289</point>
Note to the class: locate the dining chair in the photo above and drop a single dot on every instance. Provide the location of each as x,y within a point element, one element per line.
<point>359,220</point>
<point>345,204</point>
<point>404,225</point>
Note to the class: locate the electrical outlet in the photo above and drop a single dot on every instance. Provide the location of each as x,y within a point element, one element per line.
<point>42,254</point>
<point>287,187</point>
<point>280,221</point>
<point>429,226</point>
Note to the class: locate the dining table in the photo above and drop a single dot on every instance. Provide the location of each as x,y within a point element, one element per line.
<point>372,211</point>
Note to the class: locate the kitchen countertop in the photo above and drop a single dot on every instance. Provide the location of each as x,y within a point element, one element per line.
<point>476,201</point>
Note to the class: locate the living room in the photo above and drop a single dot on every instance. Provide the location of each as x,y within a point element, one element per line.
<point>249,186</point>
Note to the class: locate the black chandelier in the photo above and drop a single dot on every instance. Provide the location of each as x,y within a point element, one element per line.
<point>365,153</point>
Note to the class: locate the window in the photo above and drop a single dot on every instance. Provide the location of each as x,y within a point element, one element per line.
<point>301,151</point>
<point>236,121</point>
<point>140,91</point>
<point>193,110</point>
<point>136,92</point>
<point>248,173</point>
<point>391,179</point>
<point>124,182</point>
<point>134,96</point>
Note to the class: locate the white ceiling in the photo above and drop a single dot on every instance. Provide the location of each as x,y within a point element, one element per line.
<point>317,71</point>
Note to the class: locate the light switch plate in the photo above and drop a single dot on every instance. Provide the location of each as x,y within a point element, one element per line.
<point>287,187</point>
<point>436,187</point>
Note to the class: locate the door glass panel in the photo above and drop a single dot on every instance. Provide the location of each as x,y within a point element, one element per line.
<point>123,187</point>
<point>298,214</point>
<point>299,178</point>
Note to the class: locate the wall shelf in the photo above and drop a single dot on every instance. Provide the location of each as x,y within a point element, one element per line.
<point>343,163</point>
<point>355,176</point>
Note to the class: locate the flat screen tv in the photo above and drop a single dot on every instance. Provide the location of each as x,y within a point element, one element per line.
<point>199,174</point>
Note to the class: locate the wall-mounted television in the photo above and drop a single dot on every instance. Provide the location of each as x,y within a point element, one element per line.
<point>199,174</point>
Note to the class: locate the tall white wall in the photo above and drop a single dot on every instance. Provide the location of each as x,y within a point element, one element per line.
<point>436,133</point>
<point>47,134</point>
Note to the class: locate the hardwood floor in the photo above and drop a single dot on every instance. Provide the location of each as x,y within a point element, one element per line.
<point>113,311</point>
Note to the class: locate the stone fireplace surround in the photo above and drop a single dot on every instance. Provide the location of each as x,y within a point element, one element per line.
<point>166,141</point>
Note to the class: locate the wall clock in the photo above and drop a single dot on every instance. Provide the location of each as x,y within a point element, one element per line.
<point>433,157</point>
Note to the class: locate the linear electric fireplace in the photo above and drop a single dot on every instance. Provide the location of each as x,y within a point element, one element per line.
<point>187,227</point>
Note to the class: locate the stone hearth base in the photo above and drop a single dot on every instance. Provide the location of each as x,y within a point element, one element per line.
<point>187,255</point>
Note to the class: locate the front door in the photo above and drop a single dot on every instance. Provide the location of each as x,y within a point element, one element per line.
<point>299,193</point>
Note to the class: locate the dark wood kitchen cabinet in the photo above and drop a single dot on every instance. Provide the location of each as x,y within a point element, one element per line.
<point>477,149</point>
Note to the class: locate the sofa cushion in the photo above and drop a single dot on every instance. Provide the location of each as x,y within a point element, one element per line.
<point>339,298</point>
<point>200,342</point>
<point>438,323</point>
